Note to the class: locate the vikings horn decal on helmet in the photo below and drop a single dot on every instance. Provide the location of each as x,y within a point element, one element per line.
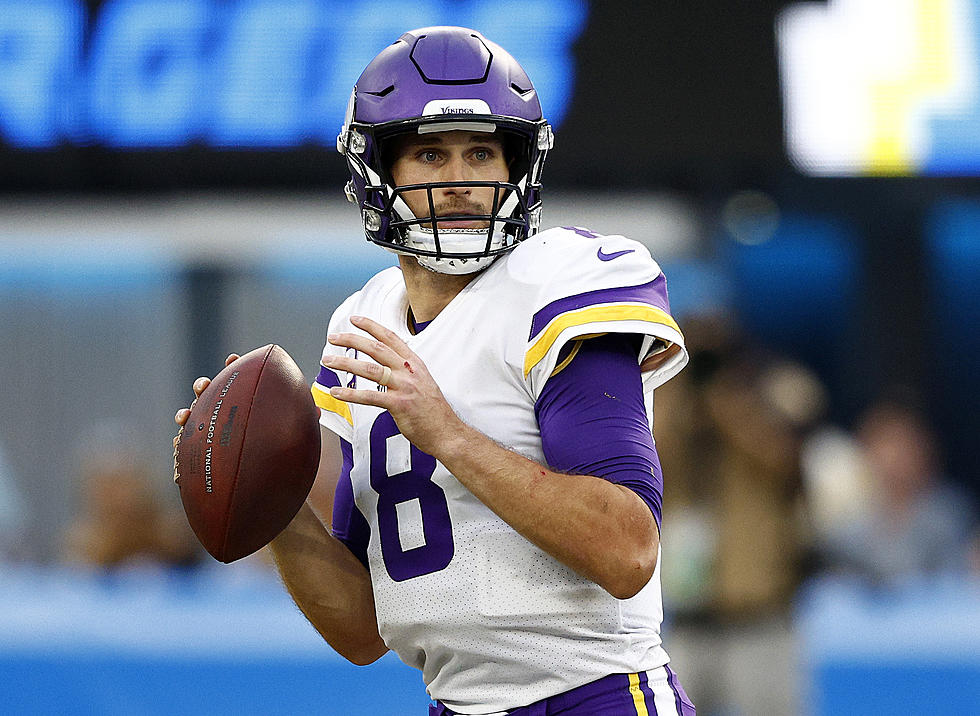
<point>441,79</point>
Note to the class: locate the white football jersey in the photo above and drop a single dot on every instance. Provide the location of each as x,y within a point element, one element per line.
<point>492,621</point>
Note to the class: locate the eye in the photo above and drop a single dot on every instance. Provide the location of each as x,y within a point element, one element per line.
<point>429,155</point>
<point>482,155</point>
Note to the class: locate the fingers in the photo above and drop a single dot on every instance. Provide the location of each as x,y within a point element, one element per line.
<point>200,385</point>
<point>385,335</point>
<point>394,362</point>
<point>363,397</point>
<point>378,350</point>
<point>375,372</point>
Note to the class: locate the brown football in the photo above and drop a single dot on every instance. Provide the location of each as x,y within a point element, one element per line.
<point>248,453</point>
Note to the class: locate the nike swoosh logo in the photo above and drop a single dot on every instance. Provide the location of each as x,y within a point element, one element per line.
<point>613,255</point>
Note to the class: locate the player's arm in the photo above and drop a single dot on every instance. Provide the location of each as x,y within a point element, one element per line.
<point>601,529</point>
<point>327,581</point>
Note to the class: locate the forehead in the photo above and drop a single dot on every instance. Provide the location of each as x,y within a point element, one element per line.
<point>453,138</point>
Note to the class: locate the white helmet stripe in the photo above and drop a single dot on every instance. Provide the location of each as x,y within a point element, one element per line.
<point>508,205</point>
<point>400,207</point>
<point>372,176</point>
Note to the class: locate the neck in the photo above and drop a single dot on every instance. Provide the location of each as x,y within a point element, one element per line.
<point>430,292</point>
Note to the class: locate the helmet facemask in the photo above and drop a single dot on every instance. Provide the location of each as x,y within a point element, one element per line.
<point>456,249</point>
<point>513,214</point>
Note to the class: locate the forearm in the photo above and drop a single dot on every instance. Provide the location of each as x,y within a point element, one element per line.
<point>603,531</point>
<point>330,586</point>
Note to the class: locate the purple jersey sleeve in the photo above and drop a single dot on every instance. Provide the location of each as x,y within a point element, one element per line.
<point>349,525</point>
<point>593,420</point>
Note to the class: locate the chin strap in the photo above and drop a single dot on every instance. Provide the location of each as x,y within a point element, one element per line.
<point>423,238</point>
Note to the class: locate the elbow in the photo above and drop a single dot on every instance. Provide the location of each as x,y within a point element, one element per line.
<point>363,659</point>
<point>361,655</point>
<point>359,647</point>
<point>637,548</point>
<point>628,585</point>
<point>631,575</point>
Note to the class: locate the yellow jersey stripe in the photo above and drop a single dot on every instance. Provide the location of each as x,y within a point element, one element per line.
<point>639,703</point>
<point>561,366</point>
<point>324,400</point>
<point>607,312</point>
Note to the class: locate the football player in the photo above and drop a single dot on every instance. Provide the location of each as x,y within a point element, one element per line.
<point>486,411</point>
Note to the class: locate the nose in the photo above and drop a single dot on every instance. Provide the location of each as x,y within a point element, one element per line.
<point>457,169</point>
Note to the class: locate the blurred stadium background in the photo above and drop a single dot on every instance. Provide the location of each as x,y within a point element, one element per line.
<point>806,173</point>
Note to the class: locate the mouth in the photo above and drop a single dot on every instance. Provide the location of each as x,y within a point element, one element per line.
<point>460,224</point>
<point>447,221</point>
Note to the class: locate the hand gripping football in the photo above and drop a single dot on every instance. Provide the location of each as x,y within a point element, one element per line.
<point>248,453</point>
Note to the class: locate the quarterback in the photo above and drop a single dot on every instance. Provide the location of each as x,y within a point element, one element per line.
<point>490,473</point>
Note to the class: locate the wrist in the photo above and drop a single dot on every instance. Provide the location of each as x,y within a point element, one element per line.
<point>458,441</point>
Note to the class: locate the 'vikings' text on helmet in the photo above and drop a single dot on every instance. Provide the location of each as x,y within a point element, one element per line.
<point>441,79</point>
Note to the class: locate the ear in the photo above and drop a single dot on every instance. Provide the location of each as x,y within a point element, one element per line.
<point>389,150</point>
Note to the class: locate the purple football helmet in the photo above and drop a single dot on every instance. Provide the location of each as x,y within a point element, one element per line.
<point>440,79</point>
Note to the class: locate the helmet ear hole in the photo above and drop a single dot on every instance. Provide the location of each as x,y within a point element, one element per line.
<point>515,155</point>
<point>388,149</point>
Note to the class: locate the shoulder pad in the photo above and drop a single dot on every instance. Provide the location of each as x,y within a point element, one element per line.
<point>591,284</point>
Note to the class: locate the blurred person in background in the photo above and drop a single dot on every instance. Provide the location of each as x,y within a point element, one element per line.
<point>730,429</point>
<point>122,521</point>
<point>909,521</point>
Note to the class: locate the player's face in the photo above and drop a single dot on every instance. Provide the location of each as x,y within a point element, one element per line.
<point>454,156</point>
